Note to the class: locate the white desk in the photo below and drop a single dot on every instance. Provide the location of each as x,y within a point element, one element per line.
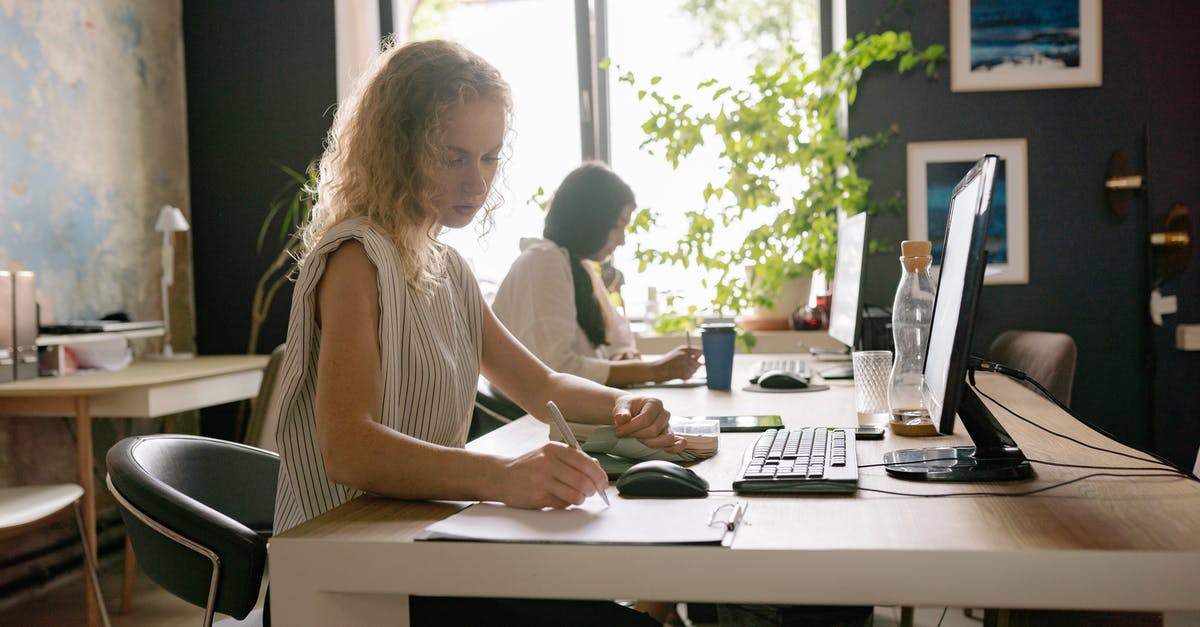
<point>1104,543</point>
<point>146,389</point>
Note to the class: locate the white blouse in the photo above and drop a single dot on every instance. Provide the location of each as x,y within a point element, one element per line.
<point>536,301</point>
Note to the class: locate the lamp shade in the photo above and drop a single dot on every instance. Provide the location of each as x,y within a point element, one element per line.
<point>170,219</point>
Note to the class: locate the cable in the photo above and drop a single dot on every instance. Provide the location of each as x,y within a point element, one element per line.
<point>1026,492</point>
<point>976,363</point>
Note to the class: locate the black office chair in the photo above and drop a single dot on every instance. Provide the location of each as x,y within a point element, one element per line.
<point>198,512</point>
<point>492,410</point>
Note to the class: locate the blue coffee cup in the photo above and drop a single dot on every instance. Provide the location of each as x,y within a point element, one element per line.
<point>717,339</point>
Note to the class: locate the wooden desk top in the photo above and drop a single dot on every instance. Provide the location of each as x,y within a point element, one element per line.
<point>138,375</point>
<point>1097,513</point>
<point>1103,542</point>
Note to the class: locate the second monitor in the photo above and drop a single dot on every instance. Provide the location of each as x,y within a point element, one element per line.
<point>852,322</point>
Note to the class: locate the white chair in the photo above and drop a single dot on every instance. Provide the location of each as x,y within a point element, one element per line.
<point>24,507</point>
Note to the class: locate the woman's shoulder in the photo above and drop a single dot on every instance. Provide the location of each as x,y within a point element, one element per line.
<point>541,250</point>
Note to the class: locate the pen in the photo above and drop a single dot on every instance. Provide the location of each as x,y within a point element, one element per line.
<point>561,423</point>
<point>687,333</point>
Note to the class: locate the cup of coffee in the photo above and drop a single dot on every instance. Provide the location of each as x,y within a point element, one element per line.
<point>717,339</point>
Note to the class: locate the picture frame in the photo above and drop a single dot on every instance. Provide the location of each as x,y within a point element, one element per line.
<point>933,170</point>
<point>1024,44</point>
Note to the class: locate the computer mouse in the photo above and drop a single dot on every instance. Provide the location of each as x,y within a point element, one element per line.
<point>662,479</point>
<point>782,380</point>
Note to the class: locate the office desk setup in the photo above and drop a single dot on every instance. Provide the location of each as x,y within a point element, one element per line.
<point>146,389</point>
<point>1112,543</point>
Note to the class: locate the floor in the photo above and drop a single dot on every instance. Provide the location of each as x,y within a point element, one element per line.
<point>155,607</point>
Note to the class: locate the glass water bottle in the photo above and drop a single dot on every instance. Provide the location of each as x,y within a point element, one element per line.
<point>911,313</point>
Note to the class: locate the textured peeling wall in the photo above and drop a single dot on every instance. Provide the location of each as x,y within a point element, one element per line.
<point>92,143</point>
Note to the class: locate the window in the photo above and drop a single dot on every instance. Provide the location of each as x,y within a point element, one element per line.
<point>534,45</point>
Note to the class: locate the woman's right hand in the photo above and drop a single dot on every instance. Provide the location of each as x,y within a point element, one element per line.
<point>680,363</point>
<point>555,476</point>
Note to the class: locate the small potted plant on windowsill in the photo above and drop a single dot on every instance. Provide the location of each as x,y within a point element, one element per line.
<point>787,169</point>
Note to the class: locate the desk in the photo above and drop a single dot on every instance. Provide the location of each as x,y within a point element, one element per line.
<point>146,389</point>
<point>1103,543</point>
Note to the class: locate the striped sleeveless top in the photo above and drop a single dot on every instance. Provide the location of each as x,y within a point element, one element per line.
<point>430,347</point>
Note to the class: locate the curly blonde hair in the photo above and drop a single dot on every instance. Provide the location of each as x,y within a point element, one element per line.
<point>385,148</point>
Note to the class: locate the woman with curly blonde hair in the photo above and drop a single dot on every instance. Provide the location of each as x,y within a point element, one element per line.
<point>389,333</point>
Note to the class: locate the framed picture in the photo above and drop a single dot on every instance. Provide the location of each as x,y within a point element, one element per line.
<point>1024,44</point>
<point>933,170</point>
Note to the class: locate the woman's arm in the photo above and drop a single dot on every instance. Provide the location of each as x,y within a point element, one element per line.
<point>680,363</point>
<point>530,384</point>
<point>361,452</point>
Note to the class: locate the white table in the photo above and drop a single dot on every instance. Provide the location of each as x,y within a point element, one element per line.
<point>1103,543</point>
<point>146,389</point>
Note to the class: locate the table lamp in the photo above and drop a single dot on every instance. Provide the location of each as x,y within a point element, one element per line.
<point>170,222</point>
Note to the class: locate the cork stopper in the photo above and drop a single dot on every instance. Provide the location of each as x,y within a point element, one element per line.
<point>916,255</point>
<point>916,248</point>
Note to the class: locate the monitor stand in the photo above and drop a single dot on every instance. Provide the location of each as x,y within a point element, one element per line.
<point>845,371</point>
<point>995,456</point>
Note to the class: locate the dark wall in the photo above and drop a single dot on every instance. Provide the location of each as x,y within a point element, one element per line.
<point>261,81</point>
<point>1088,270</point>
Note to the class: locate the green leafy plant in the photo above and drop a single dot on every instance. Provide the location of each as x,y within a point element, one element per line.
<point>782,127</point>
<point>288,210</point>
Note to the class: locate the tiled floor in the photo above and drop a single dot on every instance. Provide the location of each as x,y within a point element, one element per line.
<point>154,607</point>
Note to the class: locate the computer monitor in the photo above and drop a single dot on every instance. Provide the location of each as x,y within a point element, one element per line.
<point>995,456</point>
<point>845,312</point>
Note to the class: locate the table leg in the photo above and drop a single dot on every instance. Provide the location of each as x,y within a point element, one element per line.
<point>127,578</point>
<point>83,445</point>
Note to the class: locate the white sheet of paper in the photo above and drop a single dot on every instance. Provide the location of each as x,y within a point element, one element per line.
<point>627,521</point>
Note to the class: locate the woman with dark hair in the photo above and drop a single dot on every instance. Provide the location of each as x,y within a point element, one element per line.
<point>554,302</point>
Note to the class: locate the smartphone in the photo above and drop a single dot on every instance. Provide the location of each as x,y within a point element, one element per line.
<point>744,423</point>
<point>870,433</point>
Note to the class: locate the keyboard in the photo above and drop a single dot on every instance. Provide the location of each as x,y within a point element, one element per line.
<point>812,460</point>
<point>798,366</point>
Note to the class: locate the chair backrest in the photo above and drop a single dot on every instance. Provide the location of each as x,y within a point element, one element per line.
<point>492,410</point>
<point>219,495</point>
<point>1048,358</point>
<point>264,411</point>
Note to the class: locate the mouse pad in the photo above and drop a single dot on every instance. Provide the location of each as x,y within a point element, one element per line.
<point>754,387</point>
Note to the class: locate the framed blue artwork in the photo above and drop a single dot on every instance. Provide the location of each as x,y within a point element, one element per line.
<point>933,170</point>
<point>1024,44</point>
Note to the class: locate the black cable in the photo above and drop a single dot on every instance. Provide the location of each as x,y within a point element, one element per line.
<point>1026,492</point>
<point>1166,475</point>
<point>976,363</point>
<point>943,616</point>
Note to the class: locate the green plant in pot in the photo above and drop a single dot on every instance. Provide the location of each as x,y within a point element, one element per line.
<point>787,167</point>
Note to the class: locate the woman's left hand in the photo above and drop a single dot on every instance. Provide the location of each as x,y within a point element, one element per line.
<point>645,418</point>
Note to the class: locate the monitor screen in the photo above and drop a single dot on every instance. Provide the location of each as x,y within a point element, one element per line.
<point>844,311</point>
<point>994,456</point>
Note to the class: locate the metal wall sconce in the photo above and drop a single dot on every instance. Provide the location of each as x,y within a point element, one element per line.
<point>1175,239</point>
<point>1121,182</point>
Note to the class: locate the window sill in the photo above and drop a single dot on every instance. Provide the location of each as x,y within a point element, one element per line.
<point>768,342</point>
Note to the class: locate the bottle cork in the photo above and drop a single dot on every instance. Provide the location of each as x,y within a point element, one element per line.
<point>915,254</point>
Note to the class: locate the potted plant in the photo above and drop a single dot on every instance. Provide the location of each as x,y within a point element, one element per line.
<point>782,127</point>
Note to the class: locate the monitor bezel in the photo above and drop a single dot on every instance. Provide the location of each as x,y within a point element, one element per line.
<point>838,307</point>
<point>943,404</point>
